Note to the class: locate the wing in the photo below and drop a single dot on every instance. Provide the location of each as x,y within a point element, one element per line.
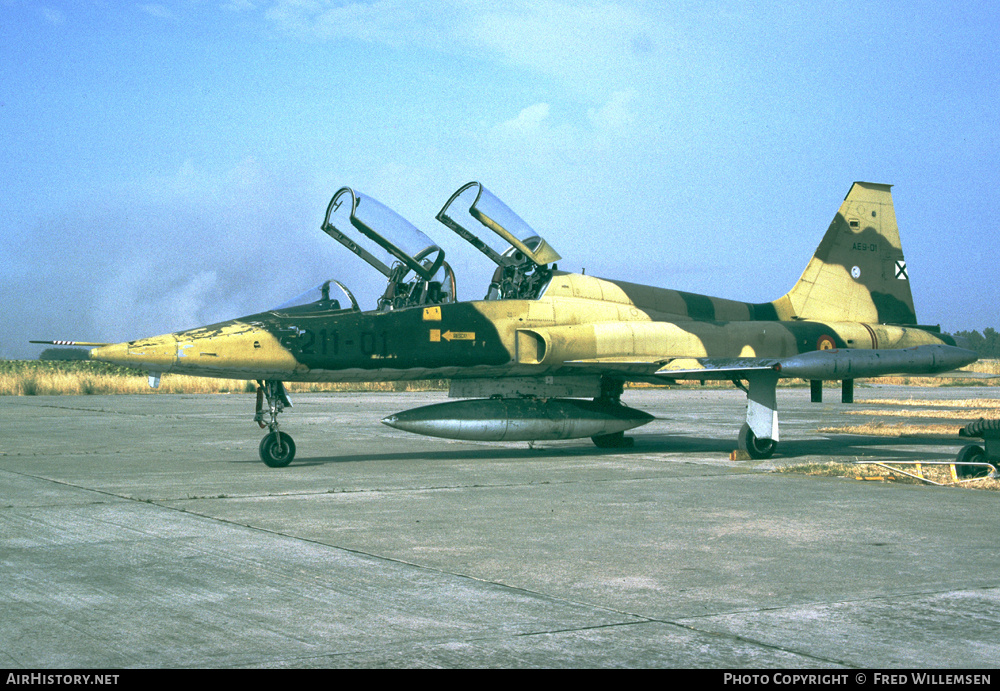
<point>817,364</point>
<point>660,370</point>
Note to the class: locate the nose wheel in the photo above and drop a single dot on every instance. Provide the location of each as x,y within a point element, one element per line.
<point>276,448</point>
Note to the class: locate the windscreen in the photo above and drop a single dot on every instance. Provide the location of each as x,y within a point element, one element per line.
<point>328,295</point>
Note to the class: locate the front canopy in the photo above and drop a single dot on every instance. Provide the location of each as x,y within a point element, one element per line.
<point>350,212</point>
<point>323,297</point>
<point>412,263</point>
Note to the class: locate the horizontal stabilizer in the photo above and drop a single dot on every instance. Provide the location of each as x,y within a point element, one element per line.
<point>658,368</point>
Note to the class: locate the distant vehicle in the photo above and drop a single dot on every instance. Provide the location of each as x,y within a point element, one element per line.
<point>546,353</point>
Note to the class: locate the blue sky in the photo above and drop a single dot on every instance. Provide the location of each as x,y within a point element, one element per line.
<point>167,165</point>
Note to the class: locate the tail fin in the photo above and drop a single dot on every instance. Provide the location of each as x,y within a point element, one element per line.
<point>858,272</point>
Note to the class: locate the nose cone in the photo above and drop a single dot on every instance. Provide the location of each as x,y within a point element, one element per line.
<point>157,354</point>
<point>115,354</point>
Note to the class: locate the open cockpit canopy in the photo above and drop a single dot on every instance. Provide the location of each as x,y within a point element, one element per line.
<point>521,255</point>
<point>414,266</point>
<point>510,241</point>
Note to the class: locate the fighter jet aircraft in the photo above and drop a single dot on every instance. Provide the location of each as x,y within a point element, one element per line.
<point>546,354</point>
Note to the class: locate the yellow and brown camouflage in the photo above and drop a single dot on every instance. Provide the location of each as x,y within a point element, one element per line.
<point>577,318</point>
<point>587,334</point>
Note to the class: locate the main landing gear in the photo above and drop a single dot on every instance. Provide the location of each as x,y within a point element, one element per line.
<point>756,448</point>
<point>611,394</point>
<point>276,448</point>
<point>758,437</point>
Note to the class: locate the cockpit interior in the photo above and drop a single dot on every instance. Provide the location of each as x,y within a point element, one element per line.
<point>414,266</point>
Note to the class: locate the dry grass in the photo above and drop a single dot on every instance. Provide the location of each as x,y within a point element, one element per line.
<point>974,414</point>
<point>55,378</point>
<point>879,428</point>
<point>937,473</point>
<point>937,403</point>
<point>991,367</point>
<point>919,409</point>
<point>959,410</point>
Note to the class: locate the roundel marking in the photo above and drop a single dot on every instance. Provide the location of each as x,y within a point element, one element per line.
<point>856,271</point>
<point>825,343</point>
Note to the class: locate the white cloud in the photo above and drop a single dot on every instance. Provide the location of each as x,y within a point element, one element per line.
<point>529,121</point>
<point>593,47</point>
<point>186,303</point>
<point>170,252</point>
<point>53,16</point>
<point>535,133</point>
<point>589,44</point>
<point>615,116</point>
<point>239,5</point>
<point>390,22</point>
<point>534,136</point>
<point>158,11</point>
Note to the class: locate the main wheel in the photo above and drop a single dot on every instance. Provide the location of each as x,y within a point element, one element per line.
<point>754,447</point>
<point>277,453</point>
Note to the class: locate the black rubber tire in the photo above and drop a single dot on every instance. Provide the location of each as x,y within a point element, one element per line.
<point>272,455</point>
<point>758,449</point>
<point>971,453</point>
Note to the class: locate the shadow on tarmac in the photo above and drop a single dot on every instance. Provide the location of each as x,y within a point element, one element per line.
<point>835,447</point>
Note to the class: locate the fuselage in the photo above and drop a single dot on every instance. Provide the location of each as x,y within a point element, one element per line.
<point>577,318</point>
<point>527,358</point>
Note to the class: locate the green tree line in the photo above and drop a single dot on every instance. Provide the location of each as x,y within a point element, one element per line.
<point>986,344</point>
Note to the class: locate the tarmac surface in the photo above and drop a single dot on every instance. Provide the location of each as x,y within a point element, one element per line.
<point>143,531</point>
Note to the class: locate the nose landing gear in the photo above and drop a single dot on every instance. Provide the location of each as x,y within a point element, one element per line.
<point>276,448</point>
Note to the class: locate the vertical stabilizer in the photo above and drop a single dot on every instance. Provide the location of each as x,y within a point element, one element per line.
<point>858,272</point>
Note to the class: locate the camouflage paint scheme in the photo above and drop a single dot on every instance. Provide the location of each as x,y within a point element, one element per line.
<point>583,336</point>
<point>577,318</point>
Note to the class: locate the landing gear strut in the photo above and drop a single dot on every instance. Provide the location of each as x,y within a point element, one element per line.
<point>611,394</point>
<point>758,437</point>
<point>276,448</point>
